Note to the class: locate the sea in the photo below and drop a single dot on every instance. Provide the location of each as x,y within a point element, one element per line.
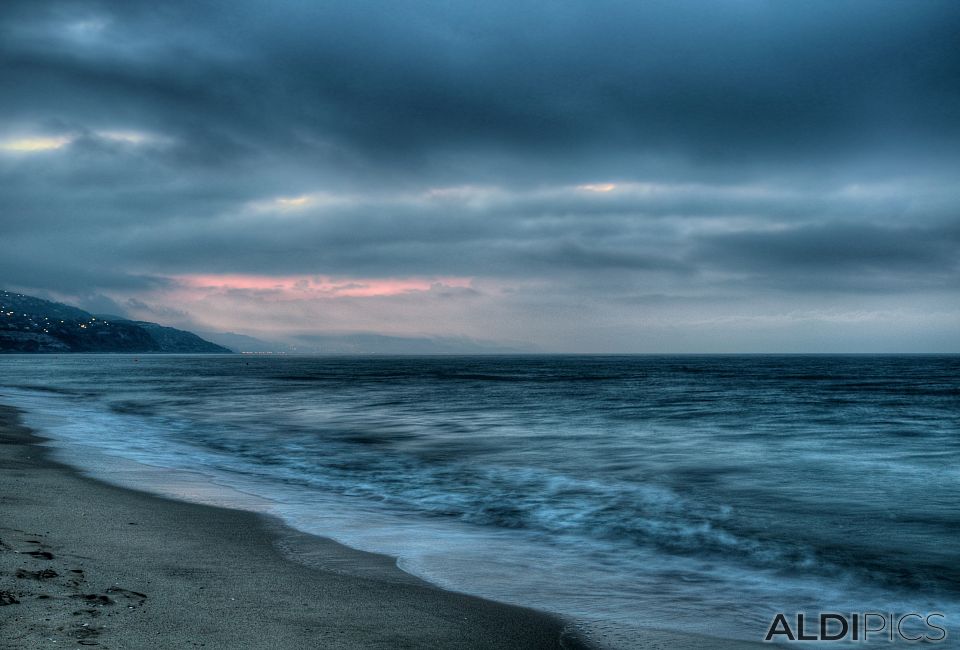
<point>692,494</point>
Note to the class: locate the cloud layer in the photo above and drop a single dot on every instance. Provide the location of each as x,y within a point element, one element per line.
<point>602,176</point>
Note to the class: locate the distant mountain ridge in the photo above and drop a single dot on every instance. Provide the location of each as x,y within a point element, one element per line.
<point>371,343</point>
<point>361,343</point>
<point>249,344</point>
<point>34,325</point>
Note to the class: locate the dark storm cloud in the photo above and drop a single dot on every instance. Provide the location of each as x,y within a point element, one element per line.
<point>842,247</point>
<point>657,85</point>
<point>751,147</point>
<point>842,256</point>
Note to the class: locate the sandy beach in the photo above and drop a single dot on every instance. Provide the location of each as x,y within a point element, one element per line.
<point>83,563</point>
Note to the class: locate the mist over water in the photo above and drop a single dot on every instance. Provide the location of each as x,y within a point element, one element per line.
<point>680,492</point>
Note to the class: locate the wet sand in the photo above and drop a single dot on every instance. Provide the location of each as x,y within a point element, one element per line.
<point>84,563</point>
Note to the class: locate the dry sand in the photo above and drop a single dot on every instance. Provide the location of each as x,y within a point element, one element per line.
<point>83,563</point>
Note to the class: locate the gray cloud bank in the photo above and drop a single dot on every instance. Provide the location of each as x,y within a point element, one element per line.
<point>626,168</point>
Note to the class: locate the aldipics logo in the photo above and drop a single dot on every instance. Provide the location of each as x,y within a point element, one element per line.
<point>868,626</point>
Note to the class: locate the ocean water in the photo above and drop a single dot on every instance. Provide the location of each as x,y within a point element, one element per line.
<point>686,493</point>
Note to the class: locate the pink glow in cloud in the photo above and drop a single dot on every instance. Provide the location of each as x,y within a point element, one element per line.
<point>299,287</point>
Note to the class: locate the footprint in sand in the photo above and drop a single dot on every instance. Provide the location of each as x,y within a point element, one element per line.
<point>45,574</point>
<point>127,594</point>
<point>45,555</point>
<point>118,593</point>
<point>76,577</point>
<point>96,599</point>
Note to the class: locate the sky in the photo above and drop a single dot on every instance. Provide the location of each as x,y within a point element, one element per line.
<point>563,176</point>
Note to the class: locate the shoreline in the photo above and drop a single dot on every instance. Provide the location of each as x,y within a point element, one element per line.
<point>92,564</point>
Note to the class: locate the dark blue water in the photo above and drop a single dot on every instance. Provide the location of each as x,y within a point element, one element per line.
<point>627,491</point>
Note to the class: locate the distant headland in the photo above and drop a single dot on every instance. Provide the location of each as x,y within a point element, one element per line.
<point>32,325</point>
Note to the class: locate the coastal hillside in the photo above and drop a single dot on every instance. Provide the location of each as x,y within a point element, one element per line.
<point>33,325</point>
